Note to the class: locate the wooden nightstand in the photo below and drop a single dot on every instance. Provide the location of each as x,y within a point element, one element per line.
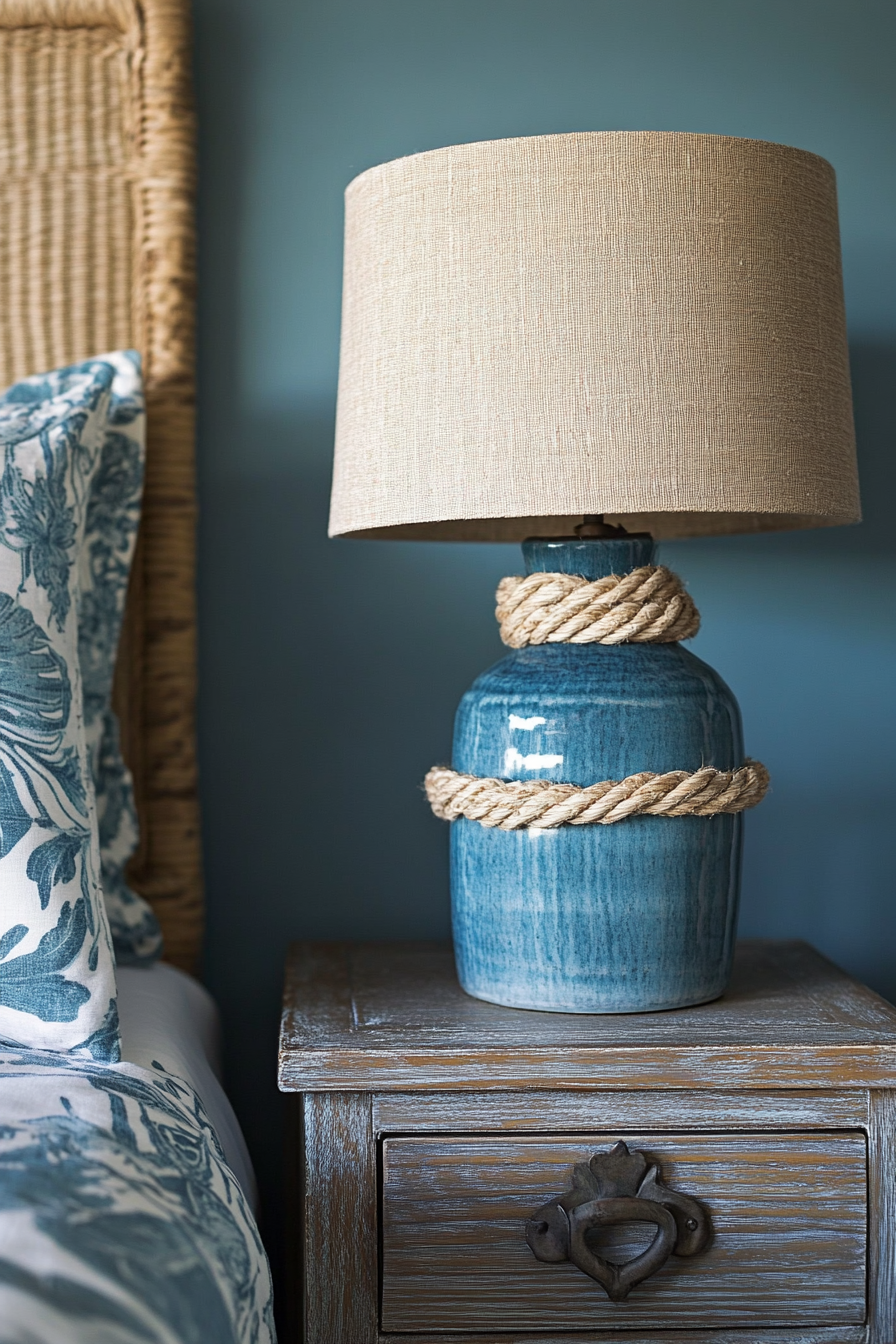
<point>434,1197</point>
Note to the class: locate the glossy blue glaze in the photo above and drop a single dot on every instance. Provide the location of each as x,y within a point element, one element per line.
<point>632,917</point>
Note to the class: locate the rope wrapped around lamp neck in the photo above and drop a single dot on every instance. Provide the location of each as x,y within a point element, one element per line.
<point>647,606</point>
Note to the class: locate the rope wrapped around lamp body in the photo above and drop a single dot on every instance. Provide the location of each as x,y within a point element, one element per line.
<point>649,605</point>
<point>596,790</point>
<point>542,804</point>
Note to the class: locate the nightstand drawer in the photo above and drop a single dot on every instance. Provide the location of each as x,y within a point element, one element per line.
<point>788,1246</point>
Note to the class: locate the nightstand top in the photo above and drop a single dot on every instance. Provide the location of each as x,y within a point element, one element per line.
<point>385,1017</point>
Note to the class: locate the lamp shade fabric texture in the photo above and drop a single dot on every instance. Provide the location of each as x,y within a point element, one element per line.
<point>648,326</point>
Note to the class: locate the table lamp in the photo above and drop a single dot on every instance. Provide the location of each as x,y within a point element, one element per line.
<point>589,342</point>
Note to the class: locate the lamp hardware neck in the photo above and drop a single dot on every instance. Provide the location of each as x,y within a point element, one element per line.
<point>593,525</point>
<point>589,557</point>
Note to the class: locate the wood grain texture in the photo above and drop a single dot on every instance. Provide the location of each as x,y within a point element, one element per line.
<point>339,1220</point>
<point>393,1017</point>
<point>840,1334</point>
<point>540,1112</point>
<point>789,1229</point>
<point>882,1211</point>
<point>790,1049</point>
<point>291,1301</point>
<point>97,253</point>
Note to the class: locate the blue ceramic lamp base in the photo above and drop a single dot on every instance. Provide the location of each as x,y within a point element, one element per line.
<point>632,917</point>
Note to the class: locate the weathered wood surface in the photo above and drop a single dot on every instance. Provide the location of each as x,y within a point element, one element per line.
<point>291,1302</point>
<point>380,1017</point>
<point>882,1218</point>
<point>789,1214</point>
<point>538,1112</point>
<point>793,1047</point>
<point>339,1220</point>
<point>838,1334</point>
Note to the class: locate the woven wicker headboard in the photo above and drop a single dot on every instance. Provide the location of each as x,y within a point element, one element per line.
<point>97,253</point>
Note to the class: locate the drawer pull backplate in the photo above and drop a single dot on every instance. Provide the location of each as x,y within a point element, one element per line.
<point>617,1187</point>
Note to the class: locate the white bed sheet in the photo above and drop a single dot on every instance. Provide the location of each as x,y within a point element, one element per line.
<point>168,1017</point>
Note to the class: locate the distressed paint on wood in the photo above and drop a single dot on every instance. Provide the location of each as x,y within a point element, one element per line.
<point>684,1068</point>
<point>293,1291</point>
<point>538,1112</point>
<point>839,1334</point>
<point>795,1046</point>
<point>385,1017</point>
<point>339,1215</point>
<point>882,1221</point>
<point>789,1216</point>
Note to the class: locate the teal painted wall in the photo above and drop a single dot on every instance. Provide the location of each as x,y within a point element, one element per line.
<point>331,666</point>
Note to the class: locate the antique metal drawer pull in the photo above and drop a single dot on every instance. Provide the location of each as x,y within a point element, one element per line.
<point>617,1187</point>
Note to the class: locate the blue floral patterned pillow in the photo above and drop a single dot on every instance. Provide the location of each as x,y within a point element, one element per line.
<point>113,516</point>
<point>57,975</point>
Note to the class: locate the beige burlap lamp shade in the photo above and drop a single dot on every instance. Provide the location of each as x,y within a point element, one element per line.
<point>647,326</point>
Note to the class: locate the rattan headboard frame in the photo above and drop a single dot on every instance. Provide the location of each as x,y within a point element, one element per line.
<point>97,252</point>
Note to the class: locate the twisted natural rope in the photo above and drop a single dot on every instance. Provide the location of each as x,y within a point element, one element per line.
<point>541,804</point>
<point>647,606</point>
